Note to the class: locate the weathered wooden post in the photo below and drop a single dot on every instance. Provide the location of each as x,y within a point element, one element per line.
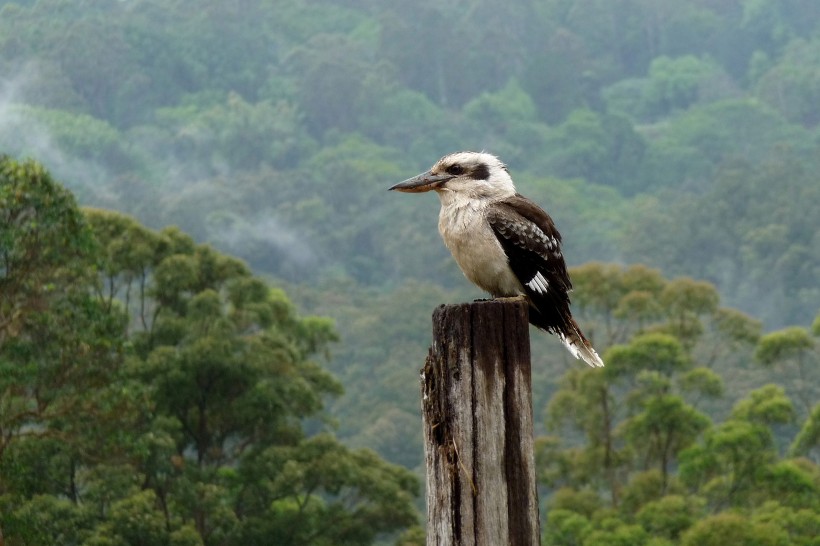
<point>478,433</point>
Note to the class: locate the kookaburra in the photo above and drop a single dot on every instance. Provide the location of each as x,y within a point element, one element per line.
<point>503,242</point>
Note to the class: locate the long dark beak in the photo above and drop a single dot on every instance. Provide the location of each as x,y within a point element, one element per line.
<point>423,182</point>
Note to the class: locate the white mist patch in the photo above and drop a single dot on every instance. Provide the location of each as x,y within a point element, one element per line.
<point>23,136</point>
<point>247,236</point>
<point>198,196</point>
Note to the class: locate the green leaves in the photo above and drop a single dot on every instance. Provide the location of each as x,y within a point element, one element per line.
<point>687,129</point>
<point>323,493</point>
<point>807,440</point>
<point>669,516</point>
<point>768,406</point>
<point>728,528</point>
<point>785,344</point>
<point>202,378</point>
<point>794,348</point>
<point>659,352</point>
<point>229,362</point>
<point>791,85</point>
<point>44,240</point>
<point>636,462</point>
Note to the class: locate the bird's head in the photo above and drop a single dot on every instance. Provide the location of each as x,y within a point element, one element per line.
<point>476,175</point>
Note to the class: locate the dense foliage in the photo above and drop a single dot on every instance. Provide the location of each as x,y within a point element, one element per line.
<point>679,134</point>
<point>644,453</point>
<point>154,392</point>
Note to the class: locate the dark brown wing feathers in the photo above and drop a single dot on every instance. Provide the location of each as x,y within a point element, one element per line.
<point>533,247</point>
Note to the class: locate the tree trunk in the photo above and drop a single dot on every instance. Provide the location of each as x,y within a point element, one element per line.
<point>477,410</point>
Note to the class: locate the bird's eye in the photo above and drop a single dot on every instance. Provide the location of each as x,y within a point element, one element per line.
<point>455,169</point>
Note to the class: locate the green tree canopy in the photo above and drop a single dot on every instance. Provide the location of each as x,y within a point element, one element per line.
<point>203,378</point>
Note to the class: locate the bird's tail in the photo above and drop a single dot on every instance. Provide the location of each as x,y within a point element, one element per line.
<point>579,346</point>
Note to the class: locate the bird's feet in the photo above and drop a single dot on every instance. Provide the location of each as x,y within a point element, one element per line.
<point>520,297</point>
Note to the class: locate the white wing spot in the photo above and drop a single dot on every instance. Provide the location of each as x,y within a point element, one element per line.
<point>539,283</point>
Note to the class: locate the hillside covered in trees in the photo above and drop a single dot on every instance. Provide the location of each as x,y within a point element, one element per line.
<point>675,143</point>
<point>155,392</point>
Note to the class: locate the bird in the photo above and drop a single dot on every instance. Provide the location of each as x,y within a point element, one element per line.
<point>503,242</point>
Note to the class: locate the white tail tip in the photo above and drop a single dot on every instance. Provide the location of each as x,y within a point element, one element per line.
<point>580,348</point>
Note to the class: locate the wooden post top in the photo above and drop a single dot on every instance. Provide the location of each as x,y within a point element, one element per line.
<point>477,410</point>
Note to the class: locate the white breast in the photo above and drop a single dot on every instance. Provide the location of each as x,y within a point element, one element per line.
<point>463,226</point>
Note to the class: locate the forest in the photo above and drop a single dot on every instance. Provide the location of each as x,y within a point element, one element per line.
<point>213,314</point>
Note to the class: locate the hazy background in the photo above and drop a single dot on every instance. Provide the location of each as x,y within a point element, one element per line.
<point>681,134</point>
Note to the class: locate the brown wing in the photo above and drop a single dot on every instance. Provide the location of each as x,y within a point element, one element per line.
<point>533,248</point>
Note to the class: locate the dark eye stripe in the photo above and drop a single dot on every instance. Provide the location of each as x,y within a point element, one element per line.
<point>481,172</point>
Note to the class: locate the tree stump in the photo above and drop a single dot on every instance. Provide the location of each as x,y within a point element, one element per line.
<point>478,432</point>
